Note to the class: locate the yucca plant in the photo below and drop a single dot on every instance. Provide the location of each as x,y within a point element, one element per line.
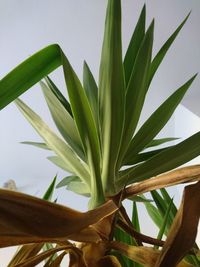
<point>106,158</point>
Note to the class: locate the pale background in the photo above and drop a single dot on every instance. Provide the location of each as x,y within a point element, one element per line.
<point>77,26</point>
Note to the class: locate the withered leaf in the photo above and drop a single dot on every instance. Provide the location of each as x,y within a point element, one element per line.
<point>144,255</point>
<point>26,219</point>
<point>110,261</point>
<point>25,252</point>
<point>57,261</point>
<point>181,175</point>
<point>182,234</point>
<point>33,261</point>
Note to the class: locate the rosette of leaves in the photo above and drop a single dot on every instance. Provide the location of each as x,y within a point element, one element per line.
<point>104,153</point>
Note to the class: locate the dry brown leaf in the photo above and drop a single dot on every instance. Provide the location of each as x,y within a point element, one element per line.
<point>57,261</point>
<point>26,219</point>
<point>108,261</point>
<point>104,227</point>
<point>182,235</point>
<point>144,255</point>
<point>25,252</point>
<point>93,252</point>
<point>87,235</point>
<point>76,260</point>
<point>181,175</point>
<point>33,261</point>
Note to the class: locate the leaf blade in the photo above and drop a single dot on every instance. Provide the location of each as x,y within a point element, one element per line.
<point>159,118</point>
<point>166,160</point>
<point>136,91</point>
<point>28,73</point>
<point>134,45</point>
<point>162,52</point>
<point>63,121</point>
<point>53,141</point>
<point>111,93</point>
<point>87,129</point>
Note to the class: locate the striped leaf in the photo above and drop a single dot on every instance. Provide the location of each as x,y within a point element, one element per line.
<point>54,142</point>
<point>111,94</point>
<point>63,121</point>
<point>159,118</point>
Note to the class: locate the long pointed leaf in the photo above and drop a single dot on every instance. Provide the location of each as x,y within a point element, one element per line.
<point>48,194</point>
<point>159,118</point>
<point>91,90</point>
<point>161,141</point>
<point>136,225</point>
<point>166,160</point>
<point>59,95</point>
<point>54,142</point>
<point>134,159</point>
<point>165,222</point>
<point>111,93</point>
<point>134,45</point>
<point>154,214</point>
<point>162,52</point>
<point>28,73</point>
<point>36,144</point>
<point>87,129</point>
<point>136,91</point>
<point>63,121</point>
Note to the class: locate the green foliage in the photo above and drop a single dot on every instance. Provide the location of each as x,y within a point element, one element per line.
<point>98,124</point>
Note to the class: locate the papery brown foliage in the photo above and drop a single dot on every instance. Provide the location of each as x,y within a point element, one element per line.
<point>182,235</point>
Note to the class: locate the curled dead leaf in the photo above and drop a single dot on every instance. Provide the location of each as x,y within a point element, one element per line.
<point>26,219</point>
<point>181,175</point>
<point>182,235</point>
<point>144,255</point>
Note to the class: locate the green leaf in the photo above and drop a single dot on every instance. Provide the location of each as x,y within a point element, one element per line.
<point>111,94</point>
<point>136,225</point>
<point>162,206</point>
<point>161,141</point>
<point>48,194</point>
<point>36,144</point>
<point>63,121</point>
<point>139,199</point>
<point>28,73</point>
<point>122,236</point>
<point>165,222</point>
<point>79,188</point>
<point>167,160</point>
<point>154,214</point>
<point>91,90</point>
<point>162,52</point>
<point>87,128</point>
<point>134,159</point>
<point>136,91</point>
<point>46,247</point>
<point>59,95</point>
<point>135,218</point>
<point>60,163</point>
<point>159,201</point>
<point>65,181</point>
<point>54,142</point>
<point>134,45</point>
<point>167,199</point>
<point>158,119</point>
